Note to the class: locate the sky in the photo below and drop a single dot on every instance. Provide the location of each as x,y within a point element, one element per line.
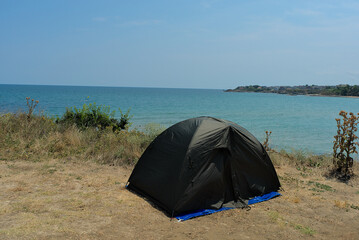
<point>215,44</point>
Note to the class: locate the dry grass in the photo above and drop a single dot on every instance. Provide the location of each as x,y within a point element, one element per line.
<point>72,200</point>
<point>302,159</point>
<point>341,204</point>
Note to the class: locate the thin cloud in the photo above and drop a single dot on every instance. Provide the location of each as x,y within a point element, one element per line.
<point>327,72</point>
<point>141,23</point>
<point>353,75</point>
<point>351,5</point>
<point>241,37</point>
<point>99,19</point>
<point>208,3</point>
<point>304,12</point>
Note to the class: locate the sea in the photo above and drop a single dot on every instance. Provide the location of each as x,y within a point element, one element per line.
<point>297,123</point>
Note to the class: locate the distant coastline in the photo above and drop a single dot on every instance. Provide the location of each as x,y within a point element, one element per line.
<point>343,90</point>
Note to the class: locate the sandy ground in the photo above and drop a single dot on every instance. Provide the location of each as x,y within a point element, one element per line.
<point>56,200</point>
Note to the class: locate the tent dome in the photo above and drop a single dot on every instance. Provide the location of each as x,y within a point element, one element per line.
<point>203,163</point>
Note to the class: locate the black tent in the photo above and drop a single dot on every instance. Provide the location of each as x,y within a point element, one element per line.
<point>203,163</point>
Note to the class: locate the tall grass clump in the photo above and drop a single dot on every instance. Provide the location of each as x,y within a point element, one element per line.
<point>122,148</point>
<point>345,142</point>
<point>152,130</point>
<point>300,159</point>
<point>31,105</point>
<point>266,141</point>
<point>21,137</point>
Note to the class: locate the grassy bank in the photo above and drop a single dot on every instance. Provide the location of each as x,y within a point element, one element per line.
<point>40,138</point>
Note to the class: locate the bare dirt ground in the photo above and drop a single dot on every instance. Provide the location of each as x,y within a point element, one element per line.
<point>53,200</point>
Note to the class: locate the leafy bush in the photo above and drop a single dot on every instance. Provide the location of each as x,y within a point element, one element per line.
<point>91,115</point>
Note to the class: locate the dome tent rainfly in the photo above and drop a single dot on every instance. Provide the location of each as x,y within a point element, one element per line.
<point>203,163</point>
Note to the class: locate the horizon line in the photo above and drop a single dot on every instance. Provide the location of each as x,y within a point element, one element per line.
<point>64,85</point>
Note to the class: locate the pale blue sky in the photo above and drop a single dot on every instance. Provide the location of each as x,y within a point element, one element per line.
<point>188,44</point>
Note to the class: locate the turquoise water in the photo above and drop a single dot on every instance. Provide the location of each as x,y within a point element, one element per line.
<point>297,122</point>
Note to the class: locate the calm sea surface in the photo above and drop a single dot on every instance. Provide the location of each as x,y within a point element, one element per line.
<point>297,122</point>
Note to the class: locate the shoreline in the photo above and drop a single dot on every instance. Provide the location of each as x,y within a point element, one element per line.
<point>288,94</point>
<point>319,95</point>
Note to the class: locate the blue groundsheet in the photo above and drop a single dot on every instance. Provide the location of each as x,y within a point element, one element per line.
<point>203,212</point>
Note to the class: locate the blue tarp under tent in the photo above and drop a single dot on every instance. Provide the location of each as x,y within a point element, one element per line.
<point>203,212</point>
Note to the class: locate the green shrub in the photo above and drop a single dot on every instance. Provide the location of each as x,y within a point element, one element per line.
<point>95,116</point>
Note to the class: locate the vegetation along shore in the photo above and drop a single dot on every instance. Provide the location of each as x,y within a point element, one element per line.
<point>343,90</point>
<point>65,178</point>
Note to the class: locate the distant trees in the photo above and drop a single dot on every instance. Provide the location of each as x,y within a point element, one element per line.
<point>339,90</point>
